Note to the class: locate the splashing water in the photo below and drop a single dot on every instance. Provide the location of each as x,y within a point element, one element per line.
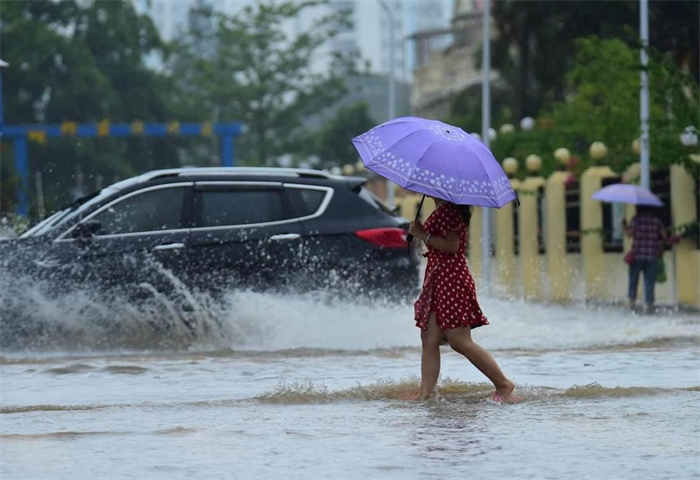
<point>87,320</point>
<point>270,384</point>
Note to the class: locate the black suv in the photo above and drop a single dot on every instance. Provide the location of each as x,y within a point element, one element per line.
<point>213,229</point>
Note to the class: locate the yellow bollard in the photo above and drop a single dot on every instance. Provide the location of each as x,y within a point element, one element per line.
<point>594,262</point>
<point>529,246</point>
<point>557,265</point>
<point>505,255</point>
<point>684,208</point>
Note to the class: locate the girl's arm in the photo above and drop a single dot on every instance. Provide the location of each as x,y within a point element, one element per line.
<point>449,244</point>
<point>629,231</point>
<point>662,229</point>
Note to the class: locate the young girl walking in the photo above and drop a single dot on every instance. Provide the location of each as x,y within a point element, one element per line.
<point>447,306</point>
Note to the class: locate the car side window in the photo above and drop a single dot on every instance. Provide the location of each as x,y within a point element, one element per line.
<point>220,207</point>
<point>150,211</point>
<point>306,201</point>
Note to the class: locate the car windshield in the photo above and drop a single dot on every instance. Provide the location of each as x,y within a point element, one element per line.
<point>46,224</point>
<point>64,214</point>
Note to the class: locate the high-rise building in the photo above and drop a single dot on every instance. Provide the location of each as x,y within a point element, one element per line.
<point>369,34</point>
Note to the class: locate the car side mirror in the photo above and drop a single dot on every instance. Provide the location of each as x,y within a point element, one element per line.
<point>86,230</point>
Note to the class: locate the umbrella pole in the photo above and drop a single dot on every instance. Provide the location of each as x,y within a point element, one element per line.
<point>420,206</point>
<point>409,237</point>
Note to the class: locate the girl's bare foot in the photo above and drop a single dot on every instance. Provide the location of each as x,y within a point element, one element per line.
<point>421,397</point>
<point>504,393</point>
<point>413,396</point>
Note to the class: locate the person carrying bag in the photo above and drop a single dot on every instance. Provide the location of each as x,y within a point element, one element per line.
<point>648,241</point>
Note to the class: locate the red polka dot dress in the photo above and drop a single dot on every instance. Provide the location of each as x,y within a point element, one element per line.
<point>448,287</point>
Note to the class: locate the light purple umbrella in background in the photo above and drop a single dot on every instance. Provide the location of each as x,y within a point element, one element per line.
<point>436,159</point>
<point>627,193</point>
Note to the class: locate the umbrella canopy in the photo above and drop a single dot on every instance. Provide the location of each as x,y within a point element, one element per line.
<point>436,159</point>
<point>626,193</point>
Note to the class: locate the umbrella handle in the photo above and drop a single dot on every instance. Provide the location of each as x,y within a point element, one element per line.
<point>409,237</point>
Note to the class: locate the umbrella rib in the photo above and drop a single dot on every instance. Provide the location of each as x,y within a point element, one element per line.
<point>410,174</point>
<point>480,164</point>
<point>386,148</point>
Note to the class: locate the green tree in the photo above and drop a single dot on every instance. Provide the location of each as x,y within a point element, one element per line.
<point>465,110</point>
<point>535,41</point>
<point>83,62</point>
<point>604,106</point>
<point>256,73</point>
<point>333,139</point>
<point>605,102</point>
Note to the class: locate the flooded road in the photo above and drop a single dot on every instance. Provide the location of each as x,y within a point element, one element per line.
<point>311,387</point>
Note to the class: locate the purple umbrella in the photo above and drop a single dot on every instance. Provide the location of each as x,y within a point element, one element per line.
<point>626,193</point>
<point>436,159</point>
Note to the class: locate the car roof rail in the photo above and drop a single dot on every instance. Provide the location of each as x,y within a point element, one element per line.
<point>232,171</point>
<point>241,171</point>
<point>253,171</point>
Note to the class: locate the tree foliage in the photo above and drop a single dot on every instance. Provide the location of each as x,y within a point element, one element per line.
<point>603,105</point>
<point>247,68</point>
<point>536,41</point>
<point>82,62</point>
<point>333,143</point>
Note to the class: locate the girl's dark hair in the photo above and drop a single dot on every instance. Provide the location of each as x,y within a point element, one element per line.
<point>466,212</point>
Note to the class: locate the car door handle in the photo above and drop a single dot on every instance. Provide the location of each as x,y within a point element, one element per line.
<point>169,246</point>
<point>48,263</point>
<point>286,236</point>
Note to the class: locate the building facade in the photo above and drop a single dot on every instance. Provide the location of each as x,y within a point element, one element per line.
<point>440,74</point>
<point>370,33</point>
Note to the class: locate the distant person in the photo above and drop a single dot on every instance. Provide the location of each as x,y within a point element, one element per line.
<point>648,242</point>
<point>447,306</point>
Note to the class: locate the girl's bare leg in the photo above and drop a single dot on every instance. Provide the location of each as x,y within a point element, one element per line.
<point>430,359</point>
<point>460,339</point>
